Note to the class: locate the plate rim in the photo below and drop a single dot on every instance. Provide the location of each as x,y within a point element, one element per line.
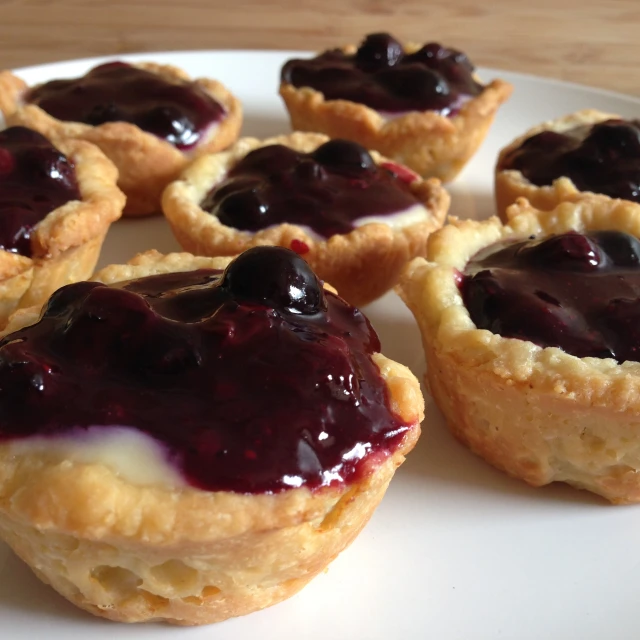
<point>530,77</point>
<point>549,510</point>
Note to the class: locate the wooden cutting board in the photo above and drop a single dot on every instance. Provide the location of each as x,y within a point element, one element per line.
<point>593,42</point>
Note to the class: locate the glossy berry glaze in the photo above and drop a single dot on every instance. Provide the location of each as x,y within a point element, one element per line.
<point>326,190</point>
<point>577,292</point>
<point>603,158</point>
<point>255,380</point>
<point>35,179</point>
<point>180,113</point>
<point>382,76</point>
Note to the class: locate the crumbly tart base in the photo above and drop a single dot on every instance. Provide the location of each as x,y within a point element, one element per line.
<point>362,264</point>
<point>176,553</point>
<point>430,144</point>
<point>66,243</point>
<point>539,414</point>
<point>511,184</point>
<point>146,163</point>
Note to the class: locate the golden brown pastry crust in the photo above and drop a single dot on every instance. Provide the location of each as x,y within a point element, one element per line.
<point>431,144</point>
<point>511,184</point>
<point>176,553</point>
<point>66,243</point>
<point>362,264</point>
<point>146,163</point>
<point>539,414</point>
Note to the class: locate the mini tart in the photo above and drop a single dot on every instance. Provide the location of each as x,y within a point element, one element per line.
<point>136,551</point>
<point>362,264</point>
<point>146,163</point>
<point>538,414</point>
<point>66,244</point>
<point>429,143</point>
<point>511,184</point>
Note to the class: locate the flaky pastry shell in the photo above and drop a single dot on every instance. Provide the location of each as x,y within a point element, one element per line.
<point>539,414</point>
<point>66,244</point>
<point>362,264</point>
<point>430,144</point>
<point>146,163</point>
<point>510,184</point>
<point>138,552</point>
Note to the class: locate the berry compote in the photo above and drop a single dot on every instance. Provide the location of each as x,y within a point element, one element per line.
<point>579,292</point>
<point>381,75</point>
<point>327,190</point>
<point>255,379</point>
<point>602,158</point>
<point>179,112</point>
<point>35,179</point>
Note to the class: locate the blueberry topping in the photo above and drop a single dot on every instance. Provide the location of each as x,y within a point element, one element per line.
<point>243,208</point>
<point>379,50</point>
<point>308,170</point>
<point>326,190</point>
<point>579,292</point>
<point>570,251</point>
<point>276,277</point>
<point>615,139</point>
<point>101,113</point>
<point>179,113</point>
<point>382,76</point>
<point>271,160</point>
<point>344,155</point>
<point>416,80</point>
<point>621,248</point>
<point>253,380</point>
<point>35,179</point>
<point>603,158</point>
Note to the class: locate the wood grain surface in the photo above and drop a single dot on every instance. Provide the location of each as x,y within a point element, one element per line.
<point>595,42</point>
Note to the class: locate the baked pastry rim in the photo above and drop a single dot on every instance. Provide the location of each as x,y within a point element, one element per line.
<point>395,136</point>
<point>74,225</point>
<point>13,88</point>
<point>194,514</point>
<point>510,184</point>
<point>76,221</point>
<point>125,140</point>
<point>182,197</point>
<point>540,414</point>
<point>202,233</point>
<point>600,382</point>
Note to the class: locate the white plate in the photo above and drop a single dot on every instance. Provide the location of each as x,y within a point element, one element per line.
<point>456,550</point>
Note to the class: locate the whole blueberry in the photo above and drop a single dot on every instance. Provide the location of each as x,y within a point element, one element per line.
<point>272,159</point>
<point>617,137</point>
<point>430,55</point>
<point>568,251</point>
<point>168,122</point>
<point>63,301</point>
<point>275,277</point>
<point>377,51</point>
<point>242,209</point>
<point>345,155</point>
<point>622,248</point>
<point>414,81</point>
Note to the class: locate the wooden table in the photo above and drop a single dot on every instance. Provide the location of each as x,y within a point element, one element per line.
<point>596,42</point>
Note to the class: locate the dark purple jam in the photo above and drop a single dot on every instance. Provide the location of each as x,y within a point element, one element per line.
<point>326,190</point>
<point>577,292</point>
<point>603,158</point>
<point>255,379</point>
<point>382,76</point>
<point>178,112</point>
<point>35,179</point>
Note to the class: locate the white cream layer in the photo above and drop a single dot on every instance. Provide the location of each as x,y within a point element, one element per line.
<point>400,220</point>
<point>131,454</point>
<point>406,218</point>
